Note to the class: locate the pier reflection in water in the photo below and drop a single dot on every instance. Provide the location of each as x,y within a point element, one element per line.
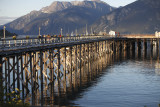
<point>64,94</point>
<point>131,80</point>
<point>80,78</point>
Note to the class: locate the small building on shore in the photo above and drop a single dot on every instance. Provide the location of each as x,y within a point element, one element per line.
<point>112,33</point>
<point>157,34</point>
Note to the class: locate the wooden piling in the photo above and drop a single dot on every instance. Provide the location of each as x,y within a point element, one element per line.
<point>151,46</point>
<point>18,80</point>
<point>22,78</point>
<point>51,76</point>
<point>32,85</point>
<point>80,62</point>
<point>157,47</point>
<point>71,68</point>
<point>13,67</point>
<point>9,90</point>
<point>41,77</point>
<point>1,79</point>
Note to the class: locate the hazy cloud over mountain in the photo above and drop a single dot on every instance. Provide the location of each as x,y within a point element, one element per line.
<point>4,19</point>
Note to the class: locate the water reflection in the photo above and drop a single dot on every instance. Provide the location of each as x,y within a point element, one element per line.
<point>130,80</point>
<point>90,73</point>
<point>92,76</point>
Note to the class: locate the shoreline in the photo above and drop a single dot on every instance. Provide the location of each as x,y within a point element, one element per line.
<point>139,36</point>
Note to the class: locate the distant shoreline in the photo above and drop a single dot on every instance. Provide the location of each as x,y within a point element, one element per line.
<point>138,36</point>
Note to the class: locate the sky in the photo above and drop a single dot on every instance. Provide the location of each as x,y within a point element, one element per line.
<point>17,8</point>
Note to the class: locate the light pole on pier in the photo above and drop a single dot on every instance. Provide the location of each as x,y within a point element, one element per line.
<point>86,31</point>
<point>39,31</point>
<point>61,31</point>
<point>4,32</point>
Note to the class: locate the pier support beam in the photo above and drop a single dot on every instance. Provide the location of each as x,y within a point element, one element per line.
<point>124,45</point>
<point>1,80</point>
<point>139,47</point>
<point>80,62</point>
<point>133,48</point>
<point>145,48</point>
<point>157,47</point>
<point>41,73</point>
<point>151,44</point>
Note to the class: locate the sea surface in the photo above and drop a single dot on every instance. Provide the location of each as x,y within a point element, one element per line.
<point>129,83</point>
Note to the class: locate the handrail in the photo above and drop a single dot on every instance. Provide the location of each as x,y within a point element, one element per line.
<point>24,42</point>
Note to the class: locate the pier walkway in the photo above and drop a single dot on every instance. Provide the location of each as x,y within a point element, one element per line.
<point>10,46</point>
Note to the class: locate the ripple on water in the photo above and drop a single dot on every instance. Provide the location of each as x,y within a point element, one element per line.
<point>125,84</point>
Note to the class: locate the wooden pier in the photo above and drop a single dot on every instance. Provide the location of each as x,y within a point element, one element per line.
<point>41,67</point>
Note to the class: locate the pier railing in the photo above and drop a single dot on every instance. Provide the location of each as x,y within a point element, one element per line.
<point>24,42</point>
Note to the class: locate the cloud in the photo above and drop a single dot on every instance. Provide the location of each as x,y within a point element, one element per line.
<point>4,19</point>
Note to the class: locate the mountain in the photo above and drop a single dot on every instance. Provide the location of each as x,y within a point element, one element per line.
<point>66,15</point>
<point>141,16</point>
<point>7,33</point>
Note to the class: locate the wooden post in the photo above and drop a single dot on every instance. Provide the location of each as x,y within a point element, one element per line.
<point>91,59</point>
<point>34,76</point>
<point>124,45</point>
<point>133,48</point>
<point>96,53</point>
<point>80,65</point>
<point>133,45</point>
<point>98,49</point>
<point>41,73</point>
<point>14,74</point>
<point>128,48</point>
<point>6,89</point>
<point>102,48</point>
<point>9,90</point>
<point>22,78</point>
<point>105,48</point>
<point>102,54</point>
<point>76,70</point>
<point>71,64</point>
<point>32,85</point>
<point>120,47</point>
<point>26,73</point>
<point>88,58</point>
<point>58,75</point>
<point>128,45</point>
<point>18,83</point>
<point>157,47</point>
<point>139,47</point>
<point>51,77</point>
<point>45,72</point>
<point>145,47</point>
<point>65,62</point>
<point>1,79</point>
<point>113,46</point>
<point>151,42</point>
<point>65,66</point>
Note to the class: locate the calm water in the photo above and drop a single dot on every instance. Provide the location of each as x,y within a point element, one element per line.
<point>130,83</point>
<point>126,82</point>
